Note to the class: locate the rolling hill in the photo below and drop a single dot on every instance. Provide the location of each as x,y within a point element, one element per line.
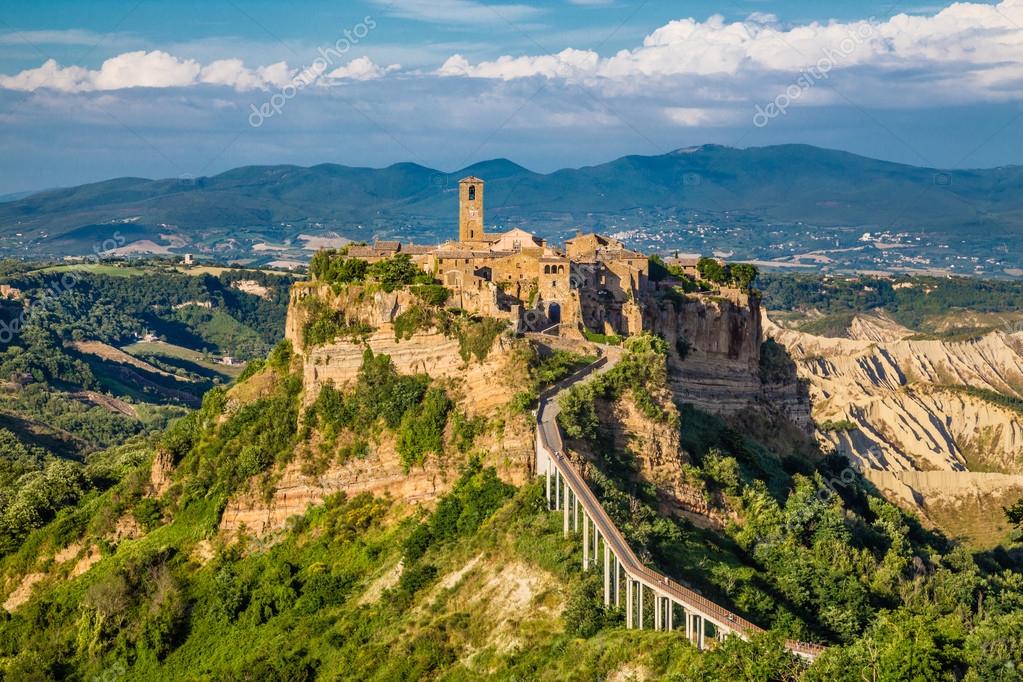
<point>787,183</point>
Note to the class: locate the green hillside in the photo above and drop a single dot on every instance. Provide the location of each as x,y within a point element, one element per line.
<point>74,381</point>
<point>788,183</point>
<point>130,577</point>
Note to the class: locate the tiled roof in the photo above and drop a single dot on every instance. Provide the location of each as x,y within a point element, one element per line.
<point>620,254</point>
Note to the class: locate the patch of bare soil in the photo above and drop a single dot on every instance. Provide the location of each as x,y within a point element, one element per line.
<point>107,402</point>
<point>23,591</point>
<point>108,352</point>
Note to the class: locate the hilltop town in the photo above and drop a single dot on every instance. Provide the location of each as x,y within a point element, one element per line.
<point>594,285</point>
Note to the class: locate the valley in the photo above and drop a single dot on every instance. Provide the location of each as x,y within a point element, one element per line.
<point>786,207</point>
<point>371,481</point>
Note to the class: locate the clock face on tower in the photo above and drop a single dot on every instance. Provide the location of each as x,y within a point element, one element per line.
<point>473,213</point>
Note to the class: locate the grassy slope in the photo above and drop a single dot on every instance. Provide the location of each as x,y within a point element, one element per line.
<point>189,356</point>
<point>466,624</point>
<point>501,597</point>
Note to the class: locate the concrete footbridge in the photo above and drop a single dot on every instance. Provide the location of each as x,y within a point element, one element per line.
<point>627,581</point>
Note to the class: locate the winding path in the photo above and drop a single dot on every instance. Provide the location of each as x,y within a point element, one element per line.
<point>567,491</point>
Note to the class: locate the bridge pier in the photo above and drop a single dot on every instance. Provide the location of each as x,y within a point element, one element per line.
<point>586,543</point>
<point>696,630</point>
<point>607,575</point>
<point>547,475</point>
<point>640,585</point>
<point>575,513</point>
<point>618,583</point>
<point>628,602</point>
<point>564,524</point>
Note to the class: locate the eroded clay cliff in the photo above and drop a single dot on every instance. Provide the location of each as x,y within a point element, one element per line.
<point>901,404</point>
<point>908,413</point>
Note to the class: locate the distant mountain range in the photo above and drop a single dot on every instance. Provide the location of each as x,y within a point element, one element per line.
<point>779,184</point>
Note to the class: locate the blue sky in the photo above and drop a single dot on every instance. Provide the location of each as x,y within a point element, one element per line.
<point>90,90</point>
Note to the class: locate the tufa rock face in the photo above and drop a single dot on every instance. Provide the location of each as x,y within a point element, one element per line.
<point>373,307</point>
<point>657,448</point>
<point>714,349</point>
<point>899,405</point>
<point>379,473</point>
<point>483,386</point>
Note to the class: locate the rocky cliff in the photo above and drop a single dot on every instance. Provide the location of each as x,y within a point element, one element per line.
<point>714,348</point>
<point>509,449</point>
<point>715,345</point>
<point>479,388</point>
<point>660,459</point>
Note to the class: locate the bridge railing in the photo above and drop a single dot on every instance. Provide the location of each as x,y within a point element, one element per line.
<point>553,446</point>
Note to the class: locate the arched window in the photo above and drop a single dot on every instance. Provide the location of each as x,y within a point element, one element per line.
<point>472,192</point>
<point>546,269</point>
<point>561,269</point>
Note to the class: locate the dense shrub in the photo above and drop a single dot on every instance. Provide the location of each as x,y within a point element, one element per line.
<point>380,393</point>
<point>557,366</point>
<point>397,271</point>
<point>585,613</point>
<point>415,318</point>
<point>642,369</point>
<point>333,267</point>
<point>465,430</point>
<point>432,294</point>
<point>476,495</point>
<point>422,429</point>
<point>476,337</point>
<point>324,324</point>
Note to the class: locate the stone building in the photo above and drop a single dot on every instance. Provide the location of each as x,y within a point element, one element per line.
<point>592,284</point>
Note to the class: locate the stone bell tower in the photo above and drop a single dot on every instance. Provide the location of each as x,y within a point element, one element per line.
<point>470,209</point>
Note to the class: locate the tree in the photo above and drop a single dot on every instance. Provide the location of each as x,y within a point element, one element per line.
<point>711,270</point>
<point>328,265</point>
<point>1015,514</point>
<point>744,274</point>
<point>395,272</point>
<point>658,269</point>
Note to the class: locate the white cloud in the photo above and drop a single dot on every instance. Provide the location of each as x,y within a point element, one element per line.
<point>969,45</point>
<point>456,11</point>
<point>144,70</point>
<point>699,117</point>
<point>161,70</point>
<point>362,69</point>
<point>141,69</point>
<point>49,75</point>
<point>966,52</point>
<point>233,73</point>
<point>566,64</point>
